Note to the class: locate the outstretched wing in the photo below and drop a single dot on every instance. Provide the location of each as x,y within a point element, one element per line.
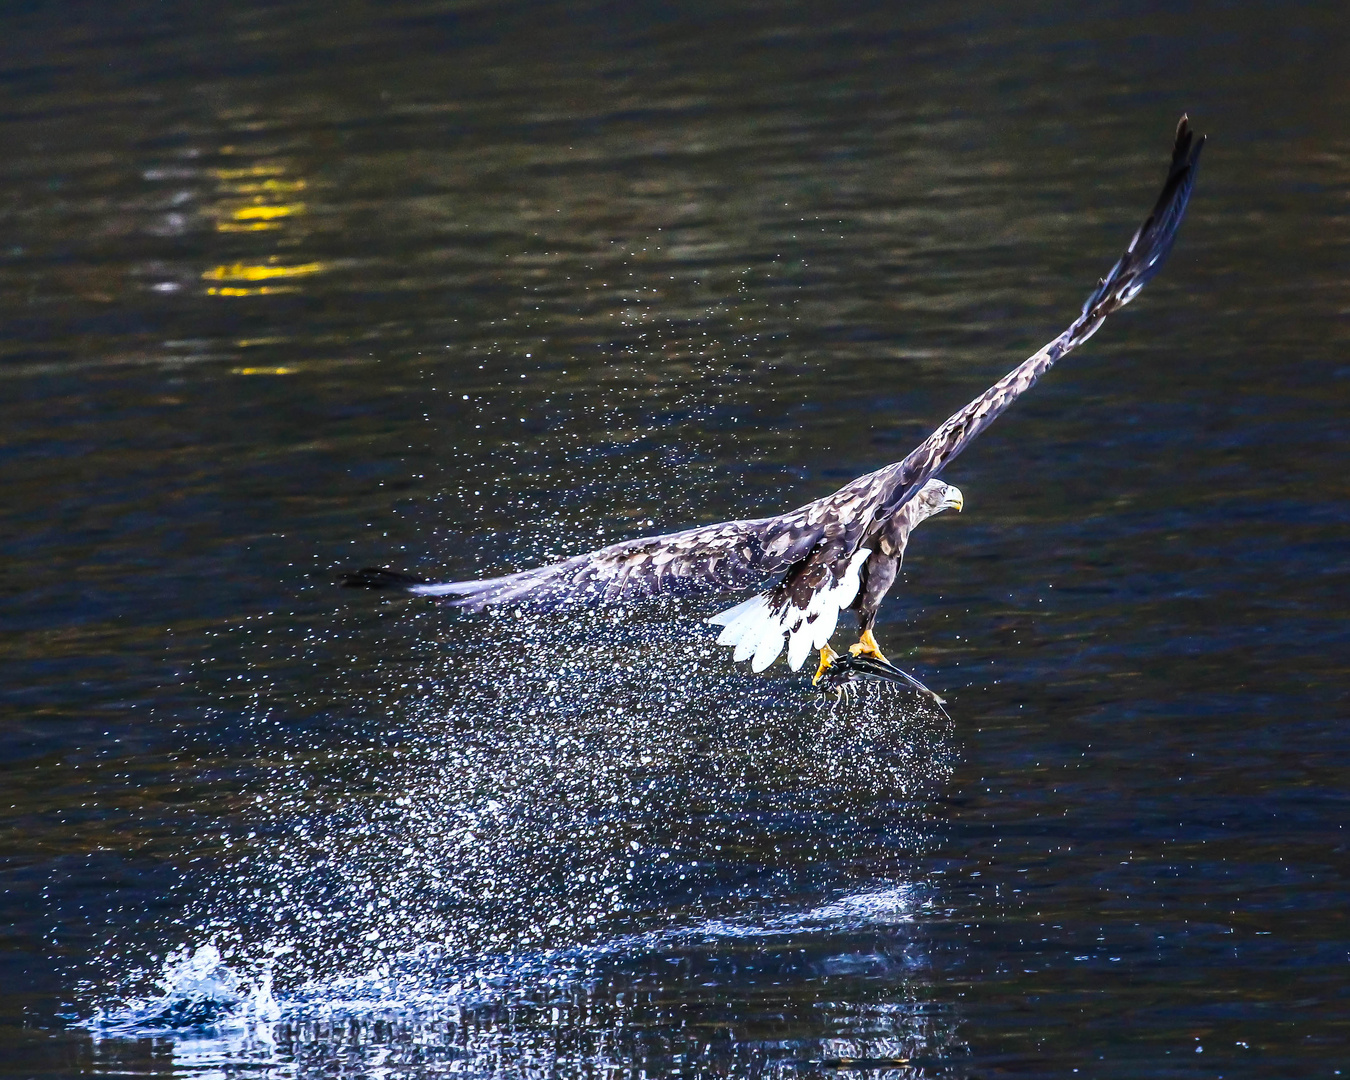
<point>1144,257</point>
<point>732,554</point>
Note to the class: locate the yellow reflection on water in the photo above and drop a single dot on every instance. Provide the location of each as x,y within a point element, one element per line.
<point>270,186</point>
<point>267,213</point>
<point>263,290</point>
<point>252,226</point>
<point>244,272</point>
<point>257,198</point>
<point>252,199</point>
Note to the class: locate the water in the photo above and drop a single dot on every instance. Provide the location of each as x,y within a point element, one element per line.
<point>289,287</point>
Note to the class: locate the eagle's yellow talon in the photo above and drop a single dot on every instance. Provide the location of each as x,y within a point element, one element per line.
<point>827,657</point>
<point>867,646</point>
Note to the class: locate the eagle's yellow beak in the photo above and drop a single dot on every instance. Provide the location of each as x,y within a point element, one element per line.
<point>954,499</point>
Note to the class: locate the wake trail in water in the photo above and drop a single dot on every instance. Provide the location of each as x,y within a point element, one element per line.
<point>206,991</point>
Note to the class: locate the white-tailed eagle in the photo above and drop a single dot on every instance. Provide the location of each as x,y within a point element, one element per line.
<point>838,553</point>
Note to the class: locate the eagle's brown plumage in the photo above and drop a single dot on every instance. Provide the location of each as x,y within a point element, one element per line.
<point>845,547</point>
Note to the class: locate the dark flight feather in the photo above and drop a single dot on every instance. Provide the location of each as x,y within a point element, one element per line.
<point>1142,260</point>
<point>376,577</point>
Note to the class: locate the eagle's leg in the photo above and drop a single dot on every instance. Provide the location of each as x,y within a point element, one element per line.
<point>875,581</point>
<point>827,657</point>
<point>867,646</point>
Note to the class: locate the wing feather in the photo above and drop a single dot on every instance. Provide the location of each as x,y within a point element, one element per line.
<point>728,555</point>
<point>1142,260</point>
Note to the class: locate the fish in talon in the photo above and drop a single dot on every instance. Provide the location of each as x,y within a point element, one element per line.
<point>854,670</point>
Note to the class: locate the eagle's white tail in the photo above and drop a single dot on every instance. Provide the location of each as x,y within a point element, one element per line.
<point>757,626</point>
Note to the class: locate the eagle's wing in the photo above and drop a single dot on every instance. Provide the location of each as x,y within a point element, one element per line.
<point>732,554</point>
<point>1144,257</point>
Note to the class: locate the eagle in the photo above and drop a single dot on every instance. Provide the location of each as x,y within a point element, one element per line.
<point>841,552</point>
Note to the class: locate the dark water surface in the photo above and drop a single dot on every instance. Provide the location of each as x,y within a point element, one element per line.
<point>457,288</point>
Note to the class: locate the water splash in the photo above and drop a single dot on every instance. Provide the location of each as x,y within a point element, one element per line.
<point>546,794</point>
<point>523,838</point>
<point>213,1014</point>
<point>529,1012</point>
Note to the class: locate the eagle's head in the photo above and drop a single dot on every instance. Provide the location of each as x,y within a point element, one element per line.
<point>935,497</point>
